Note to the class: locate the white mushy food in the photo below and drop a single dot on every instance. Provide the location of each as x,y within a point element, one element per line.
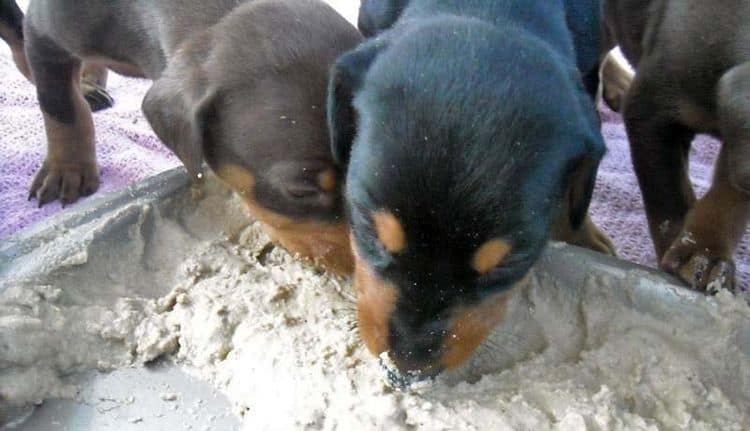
<point>279,338</point>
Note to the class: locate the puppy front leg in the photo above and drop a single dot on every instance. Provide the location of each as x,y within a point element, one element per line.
<point>659,148</point>
<point>70,169</point>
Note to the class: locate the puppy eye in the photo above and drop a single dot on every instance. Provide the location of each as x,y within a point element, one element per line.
<point>302,192</point>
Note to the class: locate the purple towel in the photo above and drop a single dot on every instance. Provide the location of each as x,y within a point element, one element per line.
<point>128,151</point>
<point>618,207</point>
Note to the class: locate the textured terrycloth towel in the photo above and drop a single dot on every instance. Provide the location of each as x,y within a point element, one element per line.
<point>128,151</point>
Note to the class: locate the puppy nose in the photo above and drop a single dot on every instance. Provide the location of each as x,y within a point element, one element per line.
<point>415,370</point>
<point>416,348</point>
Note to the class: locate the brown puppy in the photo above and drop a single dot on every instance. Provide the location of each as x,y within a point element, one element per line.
<point>242,87</point>
<point>691,78</point>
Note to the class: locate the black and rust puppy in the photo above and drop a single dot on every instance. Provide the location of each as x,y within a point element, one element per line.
<point>93,77</point>
<point>693,76</point>
<point>470,141</point>
<point>241,86</point>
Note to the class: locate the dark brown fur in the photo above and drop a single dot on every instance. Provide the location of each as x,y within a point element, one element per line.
<point>693,76</point>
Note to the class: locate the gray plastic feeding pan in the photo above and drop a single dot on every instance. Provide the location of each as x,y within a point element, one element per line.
<point>122,398</point>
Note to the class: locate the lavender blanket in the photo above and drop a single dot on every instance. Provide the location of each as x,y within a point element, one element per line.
<point>128,151</point>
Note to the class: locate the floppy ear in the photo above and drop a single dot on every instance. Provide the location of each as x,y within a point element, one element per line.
<point>345,80</point>
<point>580,190</point>
<point>178,115</point>
<point>584,165</point>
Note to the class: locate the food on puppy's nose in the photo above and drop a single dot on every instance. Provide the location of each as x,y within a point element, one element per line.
<point>402,380</point>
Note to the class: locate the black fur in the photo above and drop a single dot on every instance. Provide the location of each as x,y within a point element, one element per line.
<point>583,19</point>
<point>472,120</point>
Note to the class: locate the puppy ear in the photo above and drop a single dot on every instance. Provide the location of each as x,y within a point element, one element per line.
<point>582,180</point>
<point>347,76</point>
<point>584,160</point>
<point>178,115</point>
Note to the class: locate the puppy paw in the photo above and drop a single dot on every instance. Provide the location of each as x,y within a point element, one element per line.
<point>601,242</point>
<point>616,79</point>
<point>96,96</point>
<point>697,265</point>
<point>591,237</point>
<point>64,181</point>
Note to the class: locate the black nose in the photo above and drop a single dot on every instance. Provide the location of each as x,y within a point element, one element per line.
<point>415,347</point>
<point>403,379</point>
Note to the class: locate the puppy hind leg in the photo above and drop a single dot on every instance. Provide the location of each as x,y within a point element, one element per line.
<point>734,123</point>
<point>715,226</point>
<point>93,86</point>
<point>659,148</point>
<point>69,170</point>
<point>702,253</point>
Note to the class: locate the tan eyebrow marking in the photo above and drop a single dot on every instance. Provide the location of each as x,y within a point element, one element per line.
<point>490,255</point>
<point>327,180</point>
<point>389,230</point>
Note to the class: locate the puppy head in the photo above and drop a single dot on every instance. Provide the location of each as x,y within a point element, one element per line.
<point>276,156</point>
<point>257,117</point>
<point>461,157</point>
